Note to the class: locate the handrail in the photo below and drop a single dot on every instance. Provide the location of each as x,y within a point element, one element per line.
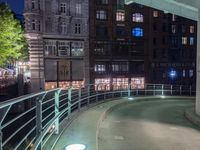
<point>53,106</point>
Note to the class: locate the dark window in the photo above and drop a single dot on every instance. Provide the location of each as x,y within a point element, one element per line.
<point>102,31</point>
<point>120,31</point>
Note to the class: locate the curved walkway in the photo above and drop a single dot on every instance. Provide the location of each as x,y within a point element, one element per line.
<point>150,125</point>
<point>145,125</point>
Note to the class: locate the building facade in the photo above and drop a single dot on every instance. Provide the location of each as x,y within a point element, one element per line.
<point>134,44</point>
<point>57,33</point>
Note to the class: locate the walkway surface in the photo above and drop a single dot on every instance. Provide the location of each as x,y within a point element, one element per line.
<point>146,125</point>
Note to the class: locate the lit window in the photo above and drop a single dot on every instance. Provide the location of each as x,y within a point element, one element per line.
<point>137,83</point>
<point>155,14</point>
<point>77,49</point>
<point>78,9</point>
<point>120,83</point>
<point>184,40</point>
<point>191,29</point>
<point>191,73</point>
<point>100,68</point>
<point>101,14</point>
<point>102,84</point>
<point>50,48</point>
<point>63,8</point>
<point>183,73</point>
<point>137,17</point>
<point>120,16</point>
<point>137,32</point>
<point>191,40</point>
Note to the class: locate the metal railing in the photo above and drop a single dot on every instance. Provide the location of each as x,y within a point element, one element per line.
<point>28,122</point>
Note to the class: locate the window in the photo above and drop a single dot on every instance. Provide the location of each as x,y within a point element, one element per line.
<point>120,83</point>
<point>184,40</point>
<point>119,67</point>
<point>39,26</point>
<point>33,4</point>
<point>191,40</point>
<point>63,7</point>
<point>63,28</point>
<point>102,84</point>
<point>174,17</point>
<point>191,73</point>
<point>138,17</point>
<point>33,25</point>
<point>137,32</point>
<point>99,68</point>
<point>102,1</point>
<point>120,4</point>
<point>184,73</point>
<point>183,28</point>
<point>192,29</point>
<point>50,48</point>
<point>155,14</point>
<point>120,16</point>
<point>120,31</point>
<point>39,4</point>
<point>173,28</point>
<point>63,48</point>
<point>102,31</point>
<point>77,49</point>
<point>137,83</point>
<point>77,28</point>
<point>101,14</point>
<point>78,9</point>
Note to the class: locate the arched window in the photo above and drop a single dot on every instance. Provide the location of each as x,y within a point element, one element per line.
<point>137,32</point>
<point>138,17</point>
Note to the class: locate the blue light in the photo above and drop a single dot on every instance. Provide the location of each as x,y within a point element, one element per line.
<point>172,74</point>
<point>137,32</point>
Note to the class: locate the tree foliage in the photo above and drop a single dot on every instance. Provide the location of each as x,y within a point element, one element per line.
<point>12,41</point>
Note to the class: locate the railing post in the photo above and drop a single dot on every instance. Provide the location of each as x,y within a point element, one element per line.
<point>39,120</point>
<point>129,90</point>
<point>69,101</point>
<point>171,89</point>
<point>97,88</point>
<point>88,91</point>
<point>1,137</point>
<point>137,92</point>
<point>190,90</point>
<point>154,88</point>
<point>180,90</point>
<point>162,89</point>
<point>79,99</point>
<point>57,93</point>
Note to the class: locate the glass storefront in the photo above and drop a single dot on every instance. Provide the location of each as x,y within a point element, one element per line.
<point>120,83</point>
<point>137,83</point>
<point>102,84</point>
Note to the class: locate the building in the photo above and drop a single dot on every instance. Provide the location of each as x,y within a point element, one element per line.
<point>57,33</point>
<point>134,44</point>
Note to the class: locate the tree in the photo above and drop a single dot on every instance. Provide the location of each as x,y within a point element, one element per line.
<point>12,41</point>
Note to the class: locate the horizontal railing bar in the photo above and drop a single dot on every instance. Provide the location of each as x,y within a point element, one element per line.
<point>13,120</point>
<point>48,116</point>
<point>43,111</point>
<point>49,136</point>
<point>25,137</point>
<point>47,101</point>
<point>31,142</point>
<point>22,98</point>
<point>8,139</point>
<point>63,105</point>
<point>63,100</point>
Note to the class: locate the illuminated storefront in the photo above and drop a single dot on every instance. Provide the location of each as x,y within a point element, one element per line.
<point>120,83</point>
<point>64,85</point>
<point>137,83</point>
<point>102,84</point>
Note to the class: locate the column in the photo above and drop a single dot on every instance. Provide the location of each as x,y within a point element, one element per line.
<point>198,69</point>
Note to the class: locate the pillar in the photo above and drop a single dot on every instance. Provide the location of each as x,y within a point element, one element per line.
<point>198,68</point>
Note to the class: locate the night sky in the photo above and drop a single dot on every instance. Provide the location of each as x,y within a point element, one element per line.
<point>16,5</point>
